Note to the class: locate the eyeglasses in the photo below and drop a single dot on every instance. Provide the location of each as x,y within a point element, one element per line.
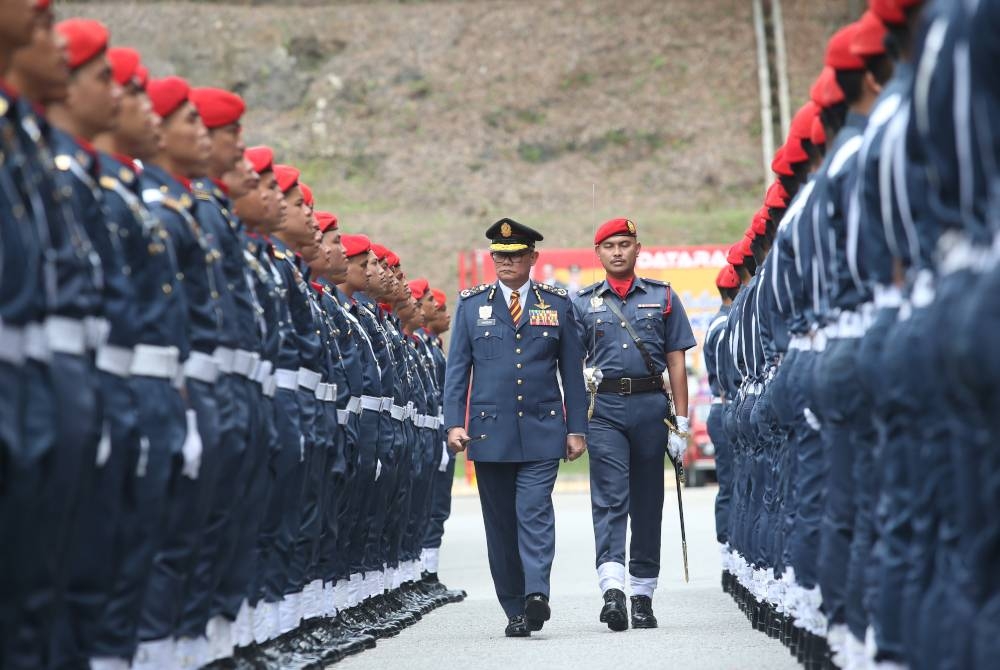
<point>502,257</point>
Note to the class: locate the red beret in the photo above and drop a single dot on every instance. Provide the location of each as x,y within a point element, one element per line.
<point>217,107</point>
<point>419,288</point>
<point>167,94</point>
<point>287,177</point>
<point>869,40</point>
<point>307,194</point>
<point>379,251</point>
<point>759,224</point>
<point>727,278</point>
<point>355,245</point>
<point>826,92</point>
<point>614,227</point>
<point>838,49</point>
<point>802,121</point>
<point>85,40</point>
<point>764,212</point>
<point>327,221</point>
<point>440,299</point>
<point>818,136</point>
<point>794,153</point>
<point>262,158</point>
<point>735,255</point>
<point>779,165</point>
<point>777,196</point>
<point>125,66</point>
<point>42,4</point>
<point>392,259</point>
<point>888,10</point>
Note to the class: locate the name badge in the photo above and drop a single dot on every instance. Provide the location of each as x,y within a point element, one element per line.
<point>486,322</point>
<point>543,317</point>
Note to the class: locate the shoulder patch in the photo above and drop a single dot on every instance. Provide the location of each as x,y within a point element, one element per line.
<point>475,290</point>
<point>588,289</point>
<point>561,292</point>
<point>108,183</point>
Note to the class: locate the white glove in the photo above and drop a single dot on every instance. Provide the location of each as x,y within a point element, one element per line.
<point>592,376</point>
<point>104,446</point>
<point>445,457</point>
<point>378,469</point>
<point>678,444</point>
<point>192,446</point>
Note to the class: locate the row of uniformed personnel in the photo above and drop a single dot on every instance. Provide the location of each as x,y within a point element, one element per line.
<point>855,378</point>
<point>219,417</point>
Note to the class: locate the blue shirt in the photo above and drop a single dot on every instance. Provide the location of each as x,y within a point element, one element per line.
<point>172,203</point>
<point>655,312</point>
<point>713,337</point>
<point>225,233</point>
<point>22,233</point>
<point>161,312</point>
<point>80,170</point>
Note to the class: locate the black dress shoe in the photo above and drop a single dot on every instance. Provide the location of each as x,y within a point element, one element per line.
<point>614,612</point>
<point>536,611</point>
<point>642,612</point>
<point>517,627</point>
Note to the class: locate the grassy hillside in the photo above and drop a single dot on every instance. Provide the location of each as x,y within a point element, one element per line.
<point>422,122</point>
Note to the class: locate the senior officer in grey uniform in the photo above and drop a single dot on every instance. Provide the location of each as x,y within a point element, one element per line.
<point>512,337</point>
<point>636,333</point>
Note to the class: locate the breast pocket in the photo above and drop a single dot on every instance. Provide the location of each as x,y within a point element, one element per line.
<point>488,344</point>
<point>651,328</point>
<point>545,339</point>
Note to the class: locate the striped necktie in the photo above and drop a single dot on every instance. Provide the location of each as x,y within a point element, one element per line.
<point>515,306</point>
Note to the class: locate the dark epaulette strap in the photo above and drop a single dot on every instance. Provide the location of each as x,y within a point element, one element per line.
<point>475,290</point>
<point>588,289</point>
<point>554,290</point>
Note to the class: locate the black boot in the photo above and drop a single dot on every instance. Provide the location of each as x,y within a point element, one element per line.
<point>614,613</point>
<point>642,612</point>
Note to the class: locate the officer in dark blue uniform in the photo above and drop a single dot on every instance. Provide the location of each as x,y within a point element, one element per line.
<point>728,283</point>
<point>514,336</point>
<point>161,334</point>
<point>26,282</point>
<point>238,354</point>
<point>91,489</point>
<point>636,333</point>
<point>439,322</point>
<point>300,401</point>
<point>183,154</point>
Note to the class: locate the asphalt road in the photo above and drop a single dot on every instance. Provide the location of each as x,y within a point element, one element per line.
<point>700,626</point>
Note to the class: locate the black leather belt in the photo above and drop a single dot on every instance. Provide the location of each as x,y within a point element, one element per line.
<point>630,385</point>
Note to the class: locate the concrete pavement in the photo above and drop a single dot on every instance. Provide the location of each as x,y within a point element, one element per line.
<point>700,626</point>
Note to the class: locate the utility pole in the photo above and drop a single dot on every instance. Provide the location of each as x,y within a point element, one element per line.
<point>764,84</point>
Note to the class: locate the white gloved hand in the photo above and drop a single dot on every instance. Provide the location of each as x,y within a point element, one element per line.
<point>592,376</point>
<point>445,457</point>
<point>378,468</point>
<point>678,444</point>
<point>192,446</point>
<point>104,446</point>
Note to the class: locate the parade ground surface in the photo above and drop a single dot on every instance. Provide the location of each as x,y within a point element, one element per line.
<point>700,626</point>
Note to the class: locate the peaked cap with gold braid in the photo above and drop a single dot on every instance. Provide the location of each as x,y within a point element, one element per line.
<point>509,236</point>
